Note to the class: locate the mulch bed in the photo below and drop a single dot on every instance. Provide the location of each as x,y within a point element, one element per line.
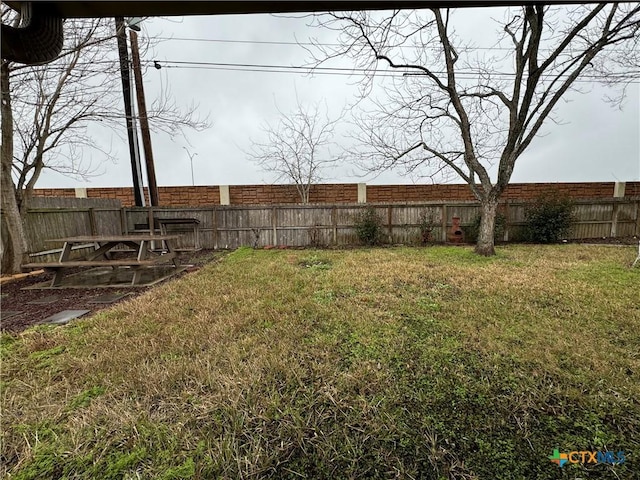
<point>14,298</point>
<point>607,241</point>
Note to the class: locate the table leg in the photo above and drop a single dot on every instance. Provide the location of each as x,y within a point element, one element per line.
<point>142,255</point>
<point>64,256</point>
<point>57,277</point>
<point>163,231</point>
<point>170,251</point>
<point>137,274</point>
<point>66,251</point>
<point>142,250</point>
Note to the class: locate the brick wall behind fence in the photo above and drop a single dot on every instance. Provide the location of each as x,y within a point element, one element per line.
<point>276,194</point>
<point>417,193</point>
<point>188,196</point>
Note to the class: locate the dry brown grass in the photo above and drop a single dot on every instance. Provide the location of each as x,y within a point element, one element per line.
<point>332,364</point>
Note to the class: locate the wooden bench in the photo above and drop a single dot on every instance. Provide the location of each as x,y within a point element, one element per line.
<point>92,263</point>
<point>183,225</point>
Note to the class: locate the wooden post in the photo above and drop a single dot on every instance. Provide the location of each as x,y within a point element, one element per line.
<point>144,121</point>
<point>614,220</point>
<point>152,223</point>
<point>444,222</point>
<point>637,232</point>
<point>123,52</point>
<point>389,224</point>
<point>274,224</point>
<point>152,229</point>
<point>123,221</point>
<point>92,222</point>
<point>215,228</point>
<point>334,223</point>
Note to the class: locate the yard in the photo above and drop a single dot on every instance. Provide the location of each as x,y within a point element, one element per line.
<point>372,363</point>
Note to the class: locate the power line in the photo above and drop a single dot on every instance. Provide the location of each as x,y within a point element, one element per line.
<point>275,68</point>
<point>322,44</point>
<point>632,76</point>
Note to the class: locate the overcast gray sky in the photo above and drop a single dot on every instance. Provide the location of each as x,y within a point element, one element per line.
<point>595,142</point>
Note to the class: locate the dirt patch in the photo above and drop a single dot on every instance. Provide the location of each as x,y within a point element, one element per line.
<point>15,298</point>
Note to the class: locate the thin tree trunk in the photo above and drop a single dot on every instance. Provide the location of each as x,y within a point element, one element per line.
<point>14,243</point>
<point>486,240</point>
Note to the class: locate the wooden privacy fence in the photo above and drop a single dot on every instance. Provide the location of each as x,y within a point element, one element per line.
<point>301,225</point>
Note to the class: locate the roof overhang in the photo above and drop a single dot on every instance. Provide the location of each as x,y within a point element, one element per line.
<point>83,9</point>
<point>40,38</point>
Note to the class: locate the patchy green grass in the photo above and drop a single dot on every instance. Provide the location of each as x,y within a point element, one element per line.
<point>380,363</point>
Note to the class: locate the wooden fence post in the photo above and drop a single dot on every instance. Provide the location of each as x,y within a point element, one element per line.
<point>215,227</point>
<point>152,223</point>
<point>444,222</point>
<point>637,232</point>
<point>614,220</point>
<point>334,223</point>
<point>124,226</point>
<point>389,224</point>
<point>92,222</point>
<point>274,224</point>
<point>152,229</point>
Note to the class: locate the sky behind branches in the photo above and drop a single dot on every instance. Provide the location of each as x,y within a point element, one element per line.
<point>219,63</point>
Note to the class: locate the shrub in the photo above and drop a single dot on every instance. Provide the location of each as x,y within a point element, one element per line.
<point>548,219</point>
<point>369,227</point>
<point>472,231</point>
<point>426,225</point>
<point>315,236</point>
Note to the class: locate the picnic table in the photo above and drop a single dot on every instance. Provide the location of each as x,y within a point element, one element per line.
<point>139,256</point>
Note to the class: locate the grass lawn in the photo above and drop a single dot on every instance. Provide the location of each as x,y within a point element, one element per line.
<point>374,363</point>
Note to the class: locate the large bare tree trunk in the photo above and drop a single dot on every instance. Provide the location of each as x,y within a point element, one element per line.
<point>486,240</point>
<point>14,242</point>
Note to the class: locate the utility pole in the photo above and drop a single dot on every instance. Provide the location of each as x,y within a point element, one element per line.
<point>144,121</point>
<point>126,91</point>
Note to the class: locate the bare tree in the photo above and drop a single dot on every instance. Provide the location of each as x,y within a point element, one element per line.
<point>297,148</point>
<point>56,104</point>
<point>13,242</point>
<point>49,111</point>
<point>452,108</point>
<point>53,104</point>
